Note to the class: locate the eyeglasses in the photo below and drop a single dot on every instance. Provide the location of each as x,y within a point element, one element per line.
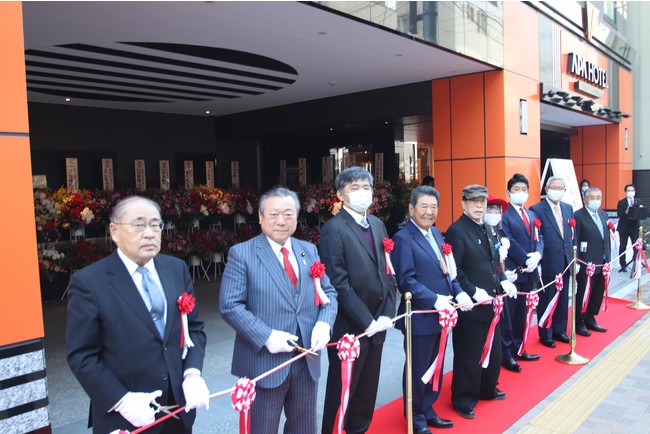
<point>140,226</point>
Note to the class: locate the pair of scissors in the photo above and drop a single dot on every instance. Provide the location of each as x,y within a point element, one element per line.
<point>301,349</point>
<point>164,408</point>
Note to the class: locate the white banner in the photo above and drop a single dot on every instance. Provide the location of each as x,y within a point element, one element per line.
<point>188,169</point>
<point>107,174</point>
<point>163,166</point>
<point>72,174</point>
<point>209,174</point>
<point>234,173</point>
<point>302,171</point>
<point>140,176</point>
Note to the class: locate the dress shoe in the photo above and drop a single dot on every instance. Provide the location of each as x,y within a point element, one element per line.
<point>439,422</point>
<point>465,412</point>
<point>510,364</point>
<point>591,324</point>
<point>499,395</point>
<point>548,343</point>
<point>623,270</point>
<point>527,357</point>
<point>581,330</point>
<point>562,338</point>
<point>421,430</point>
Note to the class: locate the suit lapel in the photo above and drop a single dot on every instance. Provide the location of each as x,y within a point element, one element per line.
<point>356,230</point>
<point>304,264</point>
<point>272,265</point>
<point>171,294</point>
<point>421,240</point>
<point>551,216</point>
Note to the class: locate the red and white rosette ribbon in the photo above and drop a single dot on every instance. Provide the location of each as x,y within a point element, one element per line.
<point>532,300</point>
<point>185,304</point>
<point>317,270</point>
<point>497,306</point>
<point>447,320</point>
<point>547,317</point>
<point>242,397</point>
<point>388,247</point>
<point>641,259</point>
<point>612,230</point>
<point>572,225</point>
<point>538,224</point>
<point>607,271</point>
<point>444,261</point>
<point>591,269</point>
<point>348,349</point>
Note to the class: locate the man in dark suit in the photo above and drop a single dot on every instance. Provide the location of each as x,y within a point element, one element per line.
<point>558,253</point>
<point>477,261</point>
<point>592,237</point>
<point>268,296</point>
<point>627,227</point>
<point>422,269</point>
<point>524,255</point>
<point>352,249</point>
<point>124,329</point>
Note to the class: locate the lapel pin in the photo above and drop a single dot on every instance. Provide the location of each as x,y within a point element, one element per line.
<point>479,240</point>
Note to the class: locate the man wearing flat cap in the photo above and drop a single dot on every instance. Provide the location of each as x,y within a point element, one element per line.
<point>477,261</point>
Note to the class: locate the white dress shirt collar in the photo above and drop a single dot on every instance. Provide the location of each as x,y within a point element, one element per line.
<point>355,215</point>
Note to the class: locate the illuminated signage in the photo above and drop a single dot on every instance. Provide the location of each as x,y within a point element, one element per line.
<point>587,70</point>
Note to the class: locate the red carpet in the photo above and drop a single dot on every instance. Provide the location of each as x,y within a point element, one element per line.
<point>524,389</point>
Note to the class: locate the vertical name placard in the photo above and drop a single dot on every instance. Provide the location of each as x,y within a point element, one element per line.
<point>140,176</point>
<point>234,173</point>
<point>327,169</point>
<point>209,174</point>
<point>302,171</point>
<point>379,167</point>
<point>188,169</point>
<point>107,174</point>
<point>72,174</point>
<point>163,166</point>
<point>283,172</point>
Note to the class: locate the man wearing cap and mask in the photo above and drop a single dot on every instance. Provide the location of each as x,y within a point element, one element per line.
<point>525,252</point>
<point>352,250</point>
<point>477,262</point>
<point>558,253</point>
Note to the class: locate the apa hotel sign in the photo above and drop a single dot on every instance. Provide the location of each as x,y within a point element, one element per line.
<point>586,70</point>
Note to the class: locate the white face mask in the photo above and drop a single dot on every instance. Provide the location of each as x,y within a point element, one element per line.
<point>584,188</point>
<point>518,198</point>
<point>555,195</point>
<point>360,200</point>
<point>593,205</point>
<point>630,194</point>
<point>492,219</point>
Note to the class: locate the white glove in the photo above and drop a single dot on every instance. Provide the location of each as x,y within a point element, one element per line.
<point>372,328</point>
<point>385,323</point>
<point>135,408</point>
<point>464,301</point>
<point>509,288</point>
<point>503,249</point>
<point>511,275</point>
<point>481,295</point>
<point>533,260</point>
<point>442,303</point>
<point>577,268</point>
<point>320,335</point>
<point>196,393</point>
<point>277,342</point>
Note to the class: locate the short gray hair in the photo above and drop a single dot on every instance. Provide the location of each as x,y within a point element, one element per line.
<point>592,190</point>
<point>279,192</point>
<point>555,178</point>
<point>423,190</point>
<point>122,206</point>
<point>352,174</point>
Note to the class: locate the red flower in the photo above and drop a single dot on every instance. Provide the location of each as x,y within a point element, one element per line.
<point>446,248</point>
<point>186,303</point>
<point>388,245</point>
<point>572,223</point>
<point>317,270</point>
<point>537,223</point>
<point>610,225</point>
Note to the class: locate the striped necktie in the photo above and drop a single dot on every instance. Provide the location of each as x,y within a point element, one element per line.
<point>156,300</point>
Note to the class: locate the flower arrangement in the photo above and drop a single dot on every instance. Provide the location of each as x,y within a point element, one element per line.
<point>47,215</point>
<point>50,262</point>
<point>243,201</point>
<point>319,200</point>
<point>77,209</point>
<point>221,240</point>
<point>381,201</point>
<point>84,252</point>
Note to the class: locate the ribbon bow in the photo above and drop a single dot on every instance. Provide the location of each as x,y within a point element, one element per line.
<point>316,271</point>
<point>388,247</point>
<point>591,270</point>
<point>242,398</point>
<point>185,304</point>
<point>497,306</point>
<point>348,349</point>
<point>447,320</point>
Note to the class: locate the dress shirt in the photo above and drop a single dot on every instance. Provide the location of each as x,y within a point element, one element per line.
<point>132,267</point>
<point>557,214</point>
<point>429,236</point>
<point>292,257</point>
<point>356,216</point>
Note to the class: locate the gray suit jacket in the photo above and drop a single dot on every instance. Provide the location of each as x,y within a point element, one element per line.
<point>257,297</point>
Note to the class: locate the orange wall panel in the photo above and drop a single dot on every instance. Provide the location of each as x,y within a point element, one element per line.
<point>467,117</point>
<point>444,186</point>
<point>13,88</point>
<point>520,33</point>
<point>596,174</point>
<point>440,107</point>
<point>614,143</point>
<point>530,168</point>
<point>517,144</point>
<point>594,146</point>
<point>495,123</point>
<point>618,176</point>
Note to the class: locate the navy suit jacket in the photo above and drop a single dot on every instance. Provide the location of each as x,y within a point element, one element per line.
<point>521,243</point>
<point>113,345</point>
<point>597,247</point>
<point>257,297</point>
<point>558,251</point>
<point>419,272</point>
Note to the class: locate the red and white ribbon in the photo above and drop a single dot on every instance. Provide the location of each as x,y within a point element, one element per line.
<point>447,320</point>
<point>532,300</point>
<point>185,305</point>
<point>591,269</point>
<point>348,349</point>
<point>547,317</point>
<point>497,306</point>
<point>641,259</point>
<point>607,271</point>
<point>538,224</point>
<point>242,397</point>
<point>317,270</point>
<point>388,247</point>
<point>572,224</point>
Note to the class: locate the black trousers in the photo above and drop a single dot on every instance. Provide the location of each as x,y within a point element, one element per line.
<point>560,315</point>
<point>633,235</point>
<point>595,297</point>
<point>516,309</point>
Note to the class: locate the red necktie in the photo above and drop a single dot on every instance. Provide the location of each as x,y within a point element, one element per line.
<point>525,217</point>
<point>288,268</point>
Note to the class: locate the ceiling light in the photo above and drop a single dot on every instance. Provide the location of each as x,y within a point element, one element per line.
<point>67,99</point>
<point>207,112</point>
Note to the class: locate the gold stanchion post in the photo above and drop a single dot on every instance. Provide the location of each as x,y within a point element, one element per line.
<point>573,358</point>
<point>639,305</point>
<point>409,366</point>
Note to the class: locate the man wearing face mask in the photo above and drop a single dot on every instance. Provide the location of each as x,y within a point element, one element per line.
<point>477,262</point>
<point>526,247</point>
<point>558,253</point>
<point>592,236</point>
<point>352,250</point>
<point>627,227</point>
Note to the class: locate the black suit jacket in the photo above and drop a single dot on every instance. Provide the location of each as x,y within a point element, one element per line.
<point>113,345</point>
<point>597,247</point>
<point>625,225</point>
<point>365,291</point>
<point>477,260</point>
<point>558,250</point>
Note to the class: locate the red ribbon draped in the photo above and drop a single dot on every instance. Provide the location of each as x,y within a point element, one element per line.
<point>532,300</point>
<point>348,351</point>
<point>497,306</point>
<point>547,318</point>
<point>641,259</point>
<point>447,320</point>
<point>591,269</point>
<point>607,271</point>
<point>388,247</point>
